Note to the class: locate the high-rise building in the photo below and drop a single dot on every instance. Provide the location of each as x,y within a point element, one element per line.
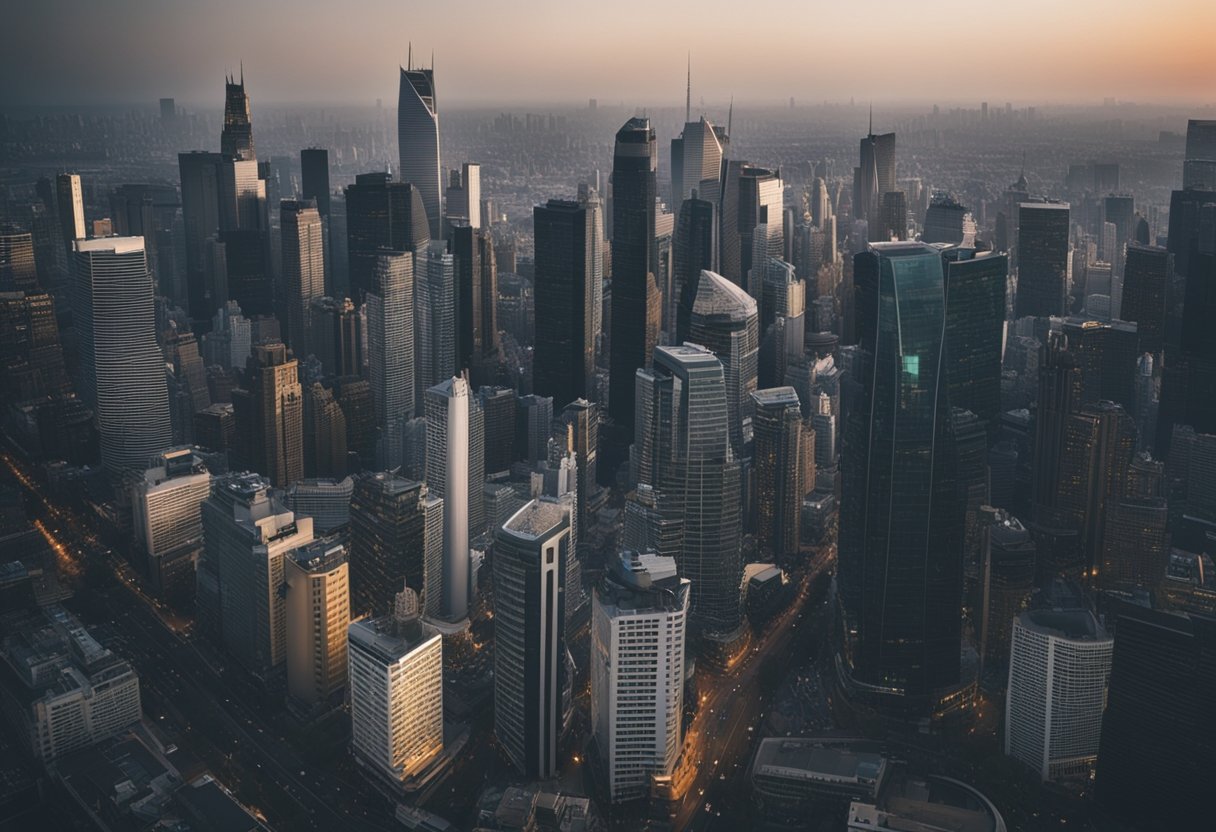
<point>396,692</point>
<point>324,499</point>
<point>589,198</point>
<point>1157,713</point>
<point>200,177</point>
<point>31,357</point>
<point>683,450</point>
<point>1058,668</point>
<point>418,141</point>
<point>324,433</point>
<point>382,214</point>
<point>892,220</point>
<point>70,199</point>
<point>696,162</point>
<point>121,369</point>
<point>1135,542</point>
<point>166,514</point>
<point>975,331</point>
<point>435,319</point>
<point>724,320</point>
<point>1146,285</point>
<point>635,294</point>
<point>694,250</point>
<point>499,405</point>
<point>18,272</point>
<point>247,534</point>
<point>1106,353</point>
<point>901,520</point>
<point>1199,165</point>
<point>303,256</point>
<point>1044,264</point>
<point>581,422</point>
<point>390,349</point>
<point>314,178</point>
<point>875,175</point>
<point>1007,581</point>
<point>153,212</point>
<point>947,221</point>
<point>455,473</point>
<point>464,195</point>
<point>396,531</point>
<point>317,577</point>
<point>476,299</point>
<point>758,226</point>
<point>530,554</point>
<point>269,410</point>
<point>563,364</point>
<point>236,140</point>
<point>638,627</point>
<point>777,465</point>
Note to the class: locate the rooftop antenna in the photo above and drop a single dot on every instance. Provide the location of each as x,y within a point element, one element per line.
<point>409,57</point>
<point>432,60</point>
<point>871,118</point>
<point>242,72</point>
<point>688,92</point>
<point>730,117</point>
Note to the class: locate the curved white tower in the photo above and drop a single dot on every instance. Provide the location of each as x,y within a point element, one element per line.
<point>418,141</point>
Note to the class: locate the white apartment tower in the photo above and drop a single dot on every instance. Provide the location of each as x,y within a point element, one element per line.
<point>396,692</point>
<point>1058,669</point>
<point>638,624</point>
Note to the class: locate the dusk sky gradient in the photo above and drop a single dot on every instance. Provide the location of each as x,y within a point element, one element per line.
<point>69,52</point>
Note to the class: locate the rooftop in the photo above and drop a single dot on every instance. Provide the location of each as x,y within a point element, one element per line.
<point>821,759</point>
<point>117,245</point>
<point>536,519</point>
<point>1075,625</point>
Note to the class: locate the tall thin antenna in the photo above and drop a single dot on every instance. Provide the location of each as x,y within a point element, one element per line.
<point>730,117</point>
<point>432,60</point>
<point>242,72</point>
<point>688,92</point>
<point>409,56</point>
<point>871,118</point>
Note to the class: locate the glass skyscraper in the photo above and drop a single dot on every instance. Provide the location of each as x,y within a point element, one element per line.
<point>901,519</point>
<point>418,141</point>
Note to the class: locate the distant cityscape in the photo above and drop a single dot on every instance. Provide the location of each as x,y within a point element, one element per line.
<point>823,467</point>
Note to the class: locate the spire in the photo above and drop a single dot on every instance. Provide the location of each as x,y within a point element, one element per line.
<point>432,60</point>
<point>871,119</point>
<point>409,56</point>
<point>242,73</point>
<point>730,117</point>
<point>688,92</point>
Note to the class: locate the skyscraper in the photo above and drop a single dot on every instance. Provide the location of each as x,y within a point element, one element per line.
<point>635,294</point>
<point>269,410</point>
<point>390,349</point>
<point>1007,581</point>
<point>1157,713</point>
<point>530,554</point>
<point>434,318</point>
<point>901,520</point>
<point>381,214</point>
<point>396,692</point>
<point>314,177</point>
<point>166,513</point>
<point>1146,284</point>
<point>17,270</point>
<point>1044,264</point>
<point>758,225</point>
<point>303,258</point>
<point>1199,165</point>
<point>247,533</point>
<point>684,451</point>
<point>236,140</point>
<point>317,576</point>
<point>476,298</point>
<point>396,532</point>
<point>777,464</point>
<point>725,322</point>
<point>694,250</point>
<point>418,141</point>
<point>638,630</point>
<point>455,472</point>
<point>564,355</point>
<point>1059,663</point>
<point>876,174</point>
<point>975,331</point>
<point>71,207</point>
<point>121,369</point>
<point>696,162</point>
<point>200,176</point>
<point>464,195</point>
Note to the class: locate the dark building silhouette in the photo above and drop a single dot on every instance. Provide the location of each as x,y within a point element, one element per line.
<point>975,318</point>
<point>694,249</point>
<point>564,358</point>
<point>1043,229</point>
<point>394,524</point>
<point>1146,279</point>
<point>236,140</point>
<point>777,459</point>
<point>636,304</point>
<point>1157,757</point>
<point>381,214</point>
<point>314,177</point>
<point>476,299</point>
<point>901,519</point>
<point>1106,353</point>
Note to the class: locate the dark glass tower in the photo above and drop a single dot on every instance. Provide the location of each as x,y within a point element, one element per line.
<point>695,249</point>
<point>1146,279</point>
<point>636,304</point>
<point>314,179</point>
<point>975,318</point>
<point>1155,764</point>
<point>777,460</point>
<point>236,141</point>
<point>381,214</point>
<point>901,519</point>
<point>1042,258</point>
<point>564,356</point>
<point>476,293</point>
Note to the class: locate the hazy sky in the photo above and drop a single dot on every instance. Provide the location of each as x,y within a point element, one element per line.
<point>74,52</point>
